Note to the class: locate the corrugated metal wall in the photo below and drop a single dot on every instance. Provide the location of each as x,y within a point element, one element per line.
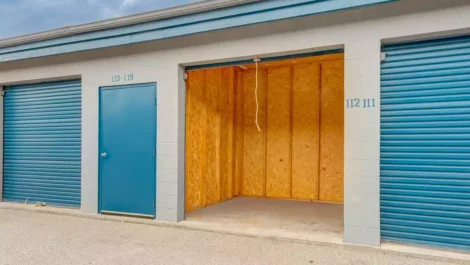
<point>42,143</point>
<point>425,143</point>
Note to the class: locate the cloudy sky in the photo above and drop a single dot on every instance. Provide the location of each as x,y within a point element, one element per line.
<point>19,17</point>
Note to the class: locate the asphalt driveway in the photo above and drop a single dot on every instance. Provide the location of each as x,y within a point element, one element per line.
<point>38,238</point>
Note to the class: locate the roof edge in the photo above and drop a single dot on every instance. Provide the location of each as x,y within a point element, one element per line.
<point>170,23</point>
<point>159,14</point>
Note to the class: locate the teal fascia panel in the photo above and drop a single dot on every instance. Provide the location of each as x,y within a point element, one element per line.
<point>230,17</point>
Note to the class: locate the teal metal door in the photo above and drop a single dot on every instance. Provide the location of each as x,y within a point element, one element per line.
<point>42,143</point>
<point>127,154</point>
<point>425,143</point>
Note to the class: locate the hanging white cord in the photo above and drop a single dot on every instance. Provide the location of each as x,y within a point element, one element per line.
<point>256,94</point>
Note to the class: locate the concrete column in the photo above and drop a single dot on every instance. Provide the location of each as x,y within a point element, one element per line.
<point>90,124</point>
<point>170,137</point>
<point>362,144</point>
<point>181,144</point>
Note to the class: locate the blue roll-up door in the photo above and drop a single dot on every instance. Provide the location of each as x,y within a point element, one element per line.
<point>425,143</point>
<point>42,143</point>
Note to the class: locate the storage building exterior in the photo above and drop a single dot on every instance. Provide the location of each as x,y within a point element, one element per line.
<point>395,146</point>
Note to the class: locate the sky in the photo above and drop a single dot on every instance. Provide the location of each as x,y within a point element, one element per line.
<point>19,17</point>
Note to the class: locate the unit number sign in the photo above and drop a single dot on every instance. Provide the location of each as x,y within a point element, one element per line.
<point>360,103</point>
<point>122,78</point>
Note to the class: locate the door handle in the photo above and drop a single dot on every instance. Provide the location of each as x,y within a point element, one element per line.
<point>104,155</point>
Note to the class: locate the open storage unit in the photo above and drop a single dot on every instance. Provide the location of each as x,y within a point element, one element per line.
<point>297,153</point>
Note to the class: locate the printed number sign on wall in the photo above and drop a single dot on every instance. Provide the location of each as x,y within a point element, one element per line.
<point>360,103</point>
<point>122,78</point>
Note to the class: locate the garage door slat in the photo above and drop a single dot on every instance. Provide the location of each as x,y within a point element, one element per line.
<point>42,143</point>
<point>436,220</point>
<point>414,199</point>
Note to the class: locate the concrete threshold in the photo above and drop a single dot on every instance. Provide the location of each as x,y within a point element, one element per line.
<point>407,250</point>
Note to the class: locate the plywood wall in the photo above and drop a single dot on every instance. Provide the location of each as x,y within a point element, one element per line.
<point>238,129</point>
<point>298,152</point>
<point>195,138</point>
<point>254,141</point>
<point>279,132</point>
<point>306,131</point>
<point>332,131</point>
<point>210,136</point>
